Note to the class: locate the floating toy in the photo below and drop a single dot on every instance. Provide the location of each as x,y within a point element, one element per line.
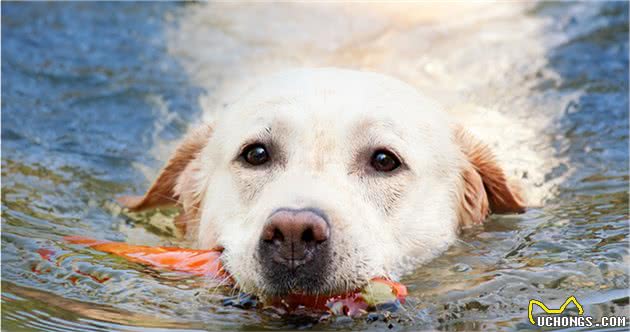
<point>378,292</point>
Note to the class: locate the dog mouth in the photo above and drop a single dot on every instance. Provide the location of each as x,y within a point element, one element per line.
<point>300,284</point>
<point>311,274</point>
<point>280,281</point>
<point>305,289</point>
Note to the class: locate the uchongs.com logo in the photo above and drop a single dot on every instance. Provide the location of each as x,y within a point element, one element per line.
<point>554,317</point>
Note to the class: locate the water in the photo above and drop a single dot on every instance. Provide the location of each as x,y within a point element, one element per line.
<point>94,94</point>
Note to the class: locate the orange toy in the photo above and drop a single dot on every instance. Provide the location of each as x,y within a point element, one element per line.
<point>197,262</point>
<point>207,263</point>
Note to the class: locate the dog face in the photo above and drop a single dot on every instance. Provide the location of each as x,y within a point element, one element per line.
<point>317,180</point>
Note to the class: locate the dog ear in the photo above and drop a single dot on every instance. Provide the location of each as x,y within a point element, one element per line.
<point>485,187</point>
<point>167,189</point>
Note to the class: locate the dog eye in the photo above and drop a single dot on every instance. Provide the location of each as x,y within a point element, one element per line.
<point>255,154</point>
<point>384,161</point>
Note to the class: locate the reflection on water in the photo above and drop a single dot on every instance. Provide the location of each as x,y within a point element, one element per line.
<point>94,92</point>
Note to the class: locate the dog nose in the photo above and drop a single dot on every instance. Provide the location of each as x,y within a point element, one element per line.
<point>294,236</point>
<point>296,226</point>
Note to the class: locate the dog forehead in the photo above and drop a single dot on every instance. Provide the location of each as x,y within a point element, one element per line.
<point>329,94</point>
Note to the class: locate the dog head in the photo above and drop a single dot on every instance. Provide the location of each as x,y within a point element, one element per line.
<point>317,180</point>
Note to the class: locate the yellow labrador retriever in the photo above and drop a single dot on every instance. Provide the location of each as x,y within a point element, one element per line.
<point>316,180</point>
